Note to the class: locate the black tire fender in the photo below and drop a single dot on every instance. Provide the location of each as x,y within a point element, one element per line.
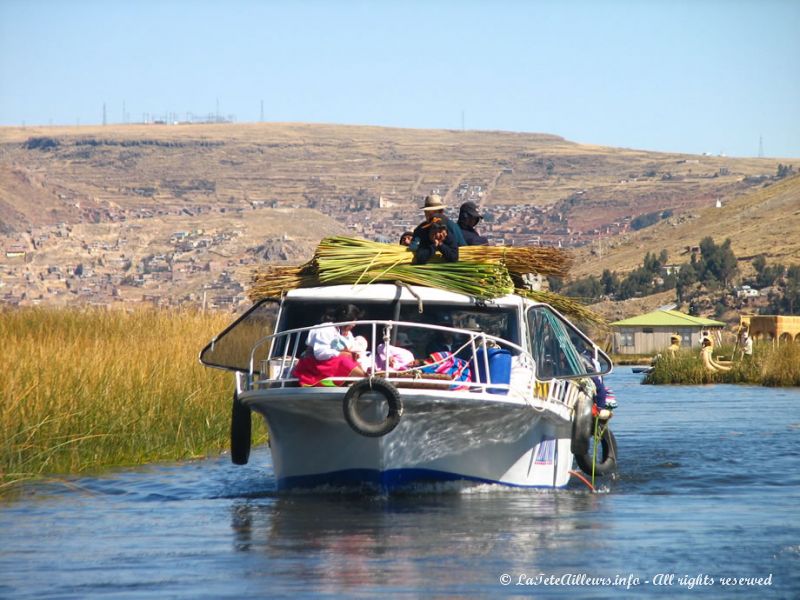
<point>606,458</point>
<point>363,426</point>
<point>241,431</point>
<point>582,425</point>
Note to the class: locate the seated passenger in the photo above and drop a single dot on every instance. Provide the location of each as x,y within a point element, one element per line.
<point>397,356</point>
<point>435,238</point>
<point>441,341</point>
<point>434,209</point>
<point>332,351</point>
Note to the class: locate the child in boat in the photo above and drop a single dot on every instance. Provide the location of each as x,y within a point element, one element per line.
<point>332,351</point>
<point>397,356</point>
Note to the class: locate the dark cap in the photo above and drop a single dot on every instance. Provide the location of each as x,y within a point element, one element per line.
<point>470,209</point>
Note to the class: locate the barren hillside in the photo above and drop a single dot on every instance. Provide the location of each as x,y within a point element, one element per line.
<point>762,221</point>
<point>97,171</point>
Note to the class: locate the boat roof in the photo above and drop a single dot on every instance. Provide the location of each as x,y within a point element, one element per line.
<point>389,292</point>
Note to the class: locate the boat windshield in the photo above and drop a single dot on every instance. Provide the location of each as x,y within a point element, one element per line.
<point>231,349</point>
<point>560,350</point>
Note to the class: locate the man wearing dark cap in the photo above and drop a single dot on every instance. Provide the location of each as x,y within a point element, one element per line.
<point>468,218</point>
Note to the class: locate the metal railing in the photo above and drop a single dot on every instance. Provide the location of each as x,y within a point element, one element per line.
<point>286,347</point>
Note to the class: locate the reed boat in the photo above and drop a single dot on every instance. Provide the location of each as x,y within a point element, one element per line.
<point>520,416</point>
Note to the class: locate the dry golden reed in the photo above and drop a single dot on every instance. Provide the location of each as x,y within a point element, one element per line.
<point>87,389</point>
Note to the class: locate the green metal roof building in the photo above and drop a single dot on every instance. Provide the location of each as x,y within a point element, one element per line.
<point>650,333</point>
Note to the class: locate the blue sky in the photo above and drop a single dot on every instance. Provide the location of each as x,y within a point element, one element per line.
<point>689,76</point>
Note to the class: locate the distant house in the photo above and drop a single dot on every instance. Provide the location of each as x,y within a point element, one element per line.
<point>650,333</point>
<point>671,269</point>
<point>15,251</point>
<point>746,292</point>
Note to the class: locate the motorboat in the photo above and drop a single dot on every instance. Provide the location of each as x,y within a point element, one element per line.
<point>518,413</point>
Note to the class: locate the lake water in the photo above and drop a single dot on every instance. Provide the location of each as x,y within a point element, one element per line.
<point>707,503</point>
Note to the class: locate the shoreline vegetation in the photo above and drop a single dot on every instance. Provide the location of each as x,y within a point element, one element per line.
<point>89,389</point>
<point>777,366</point>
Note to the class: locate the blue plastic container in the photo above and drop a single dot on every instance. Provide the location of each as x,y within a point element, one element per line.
<point>499,368</point>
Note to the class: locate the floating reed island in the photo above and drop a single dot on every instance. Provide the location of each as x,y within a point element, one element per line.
<point>771,365</point>
<point>481,271</point>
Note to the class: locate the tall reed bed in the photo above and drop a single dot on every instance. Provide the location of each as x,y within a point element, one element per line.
<point>783,367</point>
<point>769,366</point>
<point>87,389</point>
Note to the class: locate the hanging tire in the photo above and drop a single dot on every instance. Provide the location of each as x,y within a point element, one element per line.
<point>241,431</point>
<point>606,457</point>
<point>363,426</point>
<point>582,425</point>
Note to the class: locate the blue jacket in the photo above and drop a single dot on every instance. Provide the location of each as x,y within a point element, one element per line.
<point>421,233</point>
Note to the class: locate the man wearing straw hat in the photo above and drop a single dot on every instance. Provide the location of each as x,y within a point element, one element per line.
<point>434,209</point>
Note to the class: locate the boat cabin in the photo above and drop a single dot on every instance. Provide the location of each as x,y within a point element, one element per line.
<point>268,340</point>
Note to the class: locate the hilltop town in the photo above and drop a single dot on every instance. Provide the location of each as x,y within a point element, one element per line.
<point>180,216</point>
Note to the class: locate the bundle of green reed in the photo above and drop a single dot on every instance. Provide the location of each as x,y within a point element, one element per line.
<point>479,279</point>
<point>519,260</point>
<point>346,260</point>
<point>483,271</point>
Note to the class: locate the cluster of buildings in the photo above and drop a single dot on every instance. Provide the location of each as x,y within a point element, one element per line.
<point>504,224</point>
<point>204,267</point>
<point>103,272</point>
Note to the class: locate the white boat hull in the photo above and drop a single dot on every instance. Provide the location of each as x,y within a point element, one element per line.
<point>447,436</point>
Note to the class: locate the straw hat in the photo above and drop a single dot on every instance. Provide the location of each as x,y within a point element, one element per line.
<point>433,202</point>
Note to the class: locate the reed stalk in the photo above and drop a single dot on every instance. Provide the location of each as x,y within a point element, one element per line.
<point>88,389</point>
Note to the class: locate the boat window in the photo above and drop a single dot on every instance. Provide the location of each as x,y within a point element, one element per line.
<point>560,349</point>
<point>231,349</point>
<point>498,321</point>
<point>492,320</point>
<point>298,313</point>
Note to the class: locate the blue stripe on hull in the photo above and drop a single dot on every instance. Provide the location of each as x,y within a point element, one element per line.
<point>383,480</point>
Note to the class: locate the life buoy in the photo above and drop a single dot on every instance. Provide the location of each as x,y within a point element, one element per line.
<point>363,426</point>
<point>606,456</point>
<point>241,431</point>
<point>582,425</point>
